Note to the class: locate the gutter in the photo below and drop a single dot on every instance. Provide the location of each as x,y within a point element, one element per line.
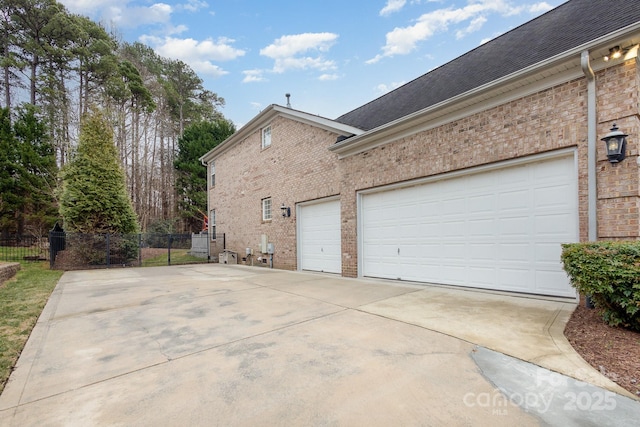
<point>591,146</point>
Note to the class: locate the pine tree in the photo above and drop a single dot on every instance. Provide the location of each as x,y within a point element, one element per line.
<point>94,197</point>
<point>38,170</point>
<point>9,200</point>
<point>191,177</point>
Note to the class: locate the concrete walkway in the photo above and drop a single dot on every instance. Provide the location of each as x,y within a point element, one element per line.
<point>232,345</point>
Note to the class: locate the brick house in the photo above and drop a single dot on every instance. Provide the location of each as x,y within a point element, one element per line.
<point>470,175</point>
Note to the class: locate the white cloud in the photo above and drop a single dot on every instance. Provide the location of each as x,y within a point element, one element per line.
<point>285,64</point>
<point>328,77</point>
<point>383,88</point>
<point>392,6</point>
<point>125,15</point>
<point>253,76</point>
<point>540,7</point>
<point>295,52</point>
<point>215,50</point>
<point>404,40</point>
<point>288,46</point>
<point>256,106</point>
<point>90,7</point>
<point>130,17</point>
<point>198,54</point>
<point>473,26</point>
<point>194,5</point>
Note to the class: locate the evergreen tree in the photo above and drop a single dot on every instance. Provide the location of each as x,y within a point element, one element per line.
<point>38,171</point>
<point>191,177</point>
<point>27,173</point>
<point>94,197</point>
<point>9,200</point>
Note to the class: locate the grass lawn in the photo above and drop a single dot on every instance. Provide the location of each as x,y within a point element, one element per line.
<point>21,302</point>
<point>178,256</point>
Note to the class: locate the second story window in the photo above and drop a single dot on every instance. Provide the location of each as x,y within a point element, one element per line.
<point>266,209</point>
<point>213,174</point>
<point>266,137</point>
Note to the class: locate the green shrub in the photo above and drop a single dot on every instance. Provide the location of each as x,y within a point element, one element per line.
<point>609,272</point>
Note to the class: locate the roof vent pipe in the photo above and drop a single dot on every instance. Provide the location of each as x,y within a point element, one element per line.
<point>288,95</point>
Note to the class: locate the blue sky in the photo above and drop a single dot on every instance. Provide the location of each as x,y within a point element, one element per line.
<point>331,55</point>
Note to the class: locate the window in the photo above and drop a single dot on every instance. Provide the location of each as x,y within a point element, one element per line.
<point>212,224</point>
<point>266,209</point>
<point>213,174</point>
<point>266,137</point>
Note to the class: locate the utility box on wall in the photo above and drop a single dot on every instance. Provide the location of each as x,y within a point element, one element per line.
<point>228,257</point>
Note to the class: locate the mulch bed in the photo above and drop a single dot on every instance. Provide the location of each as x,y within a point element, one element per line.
<point>615,352</point>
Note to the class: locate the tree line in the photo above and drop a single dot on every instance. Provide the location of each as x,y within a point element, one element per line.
<point>55,68</point>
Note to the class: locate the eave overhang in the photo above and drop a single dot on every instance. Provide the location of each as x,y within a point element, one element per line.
<point>555,70</point>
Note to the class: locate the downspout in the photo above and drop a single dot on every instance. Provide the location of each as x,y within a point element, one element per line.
<point>208,211</point>
<point>591,146</point>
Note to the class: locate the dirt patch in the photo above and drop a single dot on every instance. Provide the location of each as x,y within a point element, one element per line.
<point>615,352</point>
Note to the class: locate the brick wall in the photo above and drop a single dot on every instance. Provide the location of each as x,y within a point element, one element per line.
<point>551,119</point>
<point>297,167</point>
<point>618,184</point>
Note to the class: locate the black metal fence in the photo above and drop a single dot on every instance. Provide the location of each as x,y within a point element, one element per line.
<point>23,248</point>
<point>76,251</point>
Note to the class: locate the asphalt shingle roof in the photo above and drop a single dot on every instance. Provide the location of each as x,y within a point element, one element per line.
<point>570,25</point>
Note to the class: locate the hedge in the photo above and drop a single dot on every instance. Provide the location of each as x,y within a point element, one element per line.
<point>608,272</point>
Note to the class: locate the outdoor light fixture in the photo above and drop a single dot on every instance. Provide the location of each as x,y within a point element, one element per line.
<point>616,142</point>
<point>286,211</point>
<point>614,53</point>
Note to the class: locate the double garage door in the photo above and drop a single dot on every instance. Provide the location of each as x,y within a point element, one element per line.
<point>496,229</point>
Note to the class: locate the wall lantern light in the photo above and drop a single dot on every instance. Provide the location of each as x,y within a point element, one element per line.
<point>616,142</point>
<point>286,211</point>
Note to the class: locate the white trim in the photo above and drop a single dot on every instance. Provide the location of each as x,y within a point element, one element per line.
<point>263,211</point>
<point>264,131</point>
<point>565,152</point>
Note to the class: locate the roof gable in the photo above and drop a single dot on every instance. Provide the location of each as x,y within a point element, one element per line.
<point>273,111</point>
<point>568,26</point>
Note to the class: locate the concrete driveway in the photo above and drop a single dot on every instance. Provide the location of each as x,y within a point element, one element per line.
<point>232,345</point>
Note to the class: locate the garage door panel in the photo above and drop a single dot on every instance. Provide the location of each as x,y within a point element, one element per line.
<point>481,204</point>
<point>483,276</point>
<point>481,228</point>
<point>482,252</point>
<point>517,226</point>
<point>453,206</point>
<point>552,282</point>
<point>548,252</point>
<point>553,225</point>
<point>510,252</point>
<point>500,229</point>
<point>551,196</point>
<point>514,200</point>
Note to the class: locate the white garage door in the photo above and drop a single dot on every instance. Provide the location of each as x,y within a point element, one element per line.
<point>498,229</point>
<point>319,237</point>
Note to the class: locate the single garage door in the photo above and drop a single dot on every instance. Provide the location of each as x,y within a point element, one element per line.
<point>319,236</point>
<point>498,229</point>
